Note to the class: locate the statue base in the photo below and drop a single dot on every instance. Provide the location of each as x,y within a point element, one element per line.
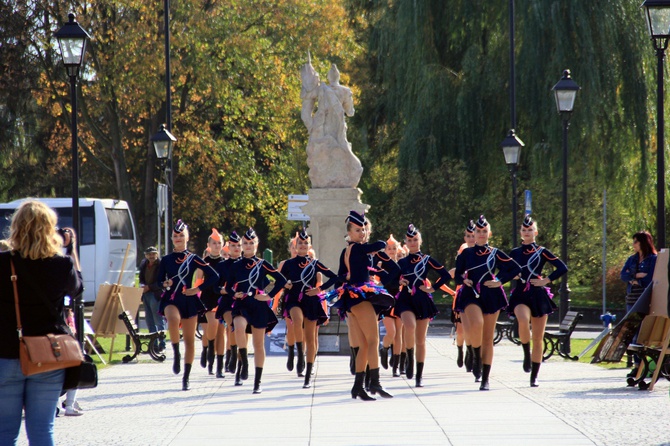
<point>327,210</point>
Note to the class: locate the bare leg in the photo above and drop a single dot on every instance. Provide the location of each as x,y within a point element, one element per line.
<point>258,339</point>
<point>464,323</point>
<point>409,324</point>
<point>488,332</point>
<point>297,318</point>
<point>310,340</point>
<point>240,331</point>
<point>354,334</point>
<point>188,329</point>
<point>522,313</point>
<point>421,332</point>
<point>389,325</point>
<point>539,324</point>
<point>203,330</point>
<point>221,339</point>
<point>397,340</point>
<point>173,319</point>
<point>366,318</point>
<point>476,324</point>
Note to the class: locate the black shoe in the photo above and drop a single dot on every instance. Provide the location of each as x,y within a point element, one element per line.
<point>384,356</point>
<point>291,357</point>
<point>459,360</point>
<point>203,358</point>
<point>395,360</point>
<point>409,366</point>
<point>375,386</point>
<point>476,363</point>
<point>176,362</point>
<point>526,357</point>
<point>366,381</point>
<point>238,374</point>
<point>184,381</point>
<point>300,366</point>
<point>468,358</point>
<point>308,376</point>
<point>533,374</point>
<point>227,362</point>
<point>244,373</point>
<point>257,380</point>
<point>219,366</point>
<point>486,370</point>
<point>358,391</point>
<point>419,374</point>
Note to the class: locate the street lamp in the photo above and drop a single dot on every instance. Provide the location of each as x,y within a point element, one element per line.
<point>565,92</point>
<point>72,42</point>
<point>511,146</point>
<point>657,13</point>
<point>163,142</point>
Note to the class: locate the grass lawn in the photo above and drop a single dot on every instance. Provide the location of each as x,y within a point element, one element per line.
<point>578,345</point>
<point>119,352</point>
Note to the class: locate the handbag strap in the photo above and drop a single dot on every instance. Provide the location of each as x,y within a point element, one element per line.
<point>14,278</point>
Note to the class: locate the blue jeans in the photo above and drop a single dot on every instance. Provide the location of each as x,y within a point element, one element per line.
<point>38,394</point>
<point>155,321</point>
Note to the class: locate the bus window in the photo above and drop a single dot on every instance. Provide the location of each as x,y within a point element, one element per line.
<point>120,226</point>
<point>87,219</point>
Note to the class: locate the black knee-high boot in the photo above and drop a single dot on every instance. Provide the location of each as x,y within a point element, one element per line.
<point>352,360</point>
<point>233,358</point>
<point>244,371</point>
<point>375,385</point>
<point>184,381</point>
<point>486,370</point>
<point>396,363</point>
<point>384,356</point>
<point>367,378</point>
<point>308,376</point>
<point>358,390</point>
<point>468,358</point>
<point>419,374</point>
<point>459,360</point>
<point>526,357</point>
<point>533,374</point>
<point>291,358</point>
<point>477,363</point>
<point>176,361</point>
<point>300,366</point>
<point>403,361</point>
<point>238,374</point>
<point>203,357</point>
<point>219,366</point>
<point>409,367</point>
<point>228,361</point>
<point>257,380</point>
<point>211,353</point>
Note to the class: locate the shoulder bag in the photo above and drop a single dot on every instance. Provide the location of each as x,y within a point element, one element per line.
<point>39,354</point>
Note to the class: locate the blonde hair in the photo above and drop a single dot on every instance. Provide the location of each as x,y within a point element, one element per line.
<point>33,231</point>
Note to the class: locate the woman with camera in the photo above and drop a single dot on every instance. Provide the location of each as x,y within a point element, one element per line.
<point>44,277</point>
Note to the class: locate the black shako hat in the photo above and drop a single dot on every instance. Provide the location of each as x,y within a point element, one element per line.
<point>528,221</point>
<point>411,231</point>
<point>250,234</point>
<point>302,235</point>
<point>356,218</point>
<point>233,237</point>
<point>179,227</point>
<point>470,227</point>
<point>482,223</point>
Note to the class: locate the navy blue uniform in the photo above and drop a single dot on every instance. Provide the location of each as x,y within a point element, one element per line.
<point>249,276</point>
<point>480,264</point>
<point>302,271</point>
<point>225,303</point>
<point>180,268</point>
<point>532,259</point>
<point>415,268</point>
<point>357,285</point>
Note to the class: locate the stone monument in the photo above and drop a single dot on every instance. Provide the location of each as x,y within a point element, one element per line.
<point>334,170</point>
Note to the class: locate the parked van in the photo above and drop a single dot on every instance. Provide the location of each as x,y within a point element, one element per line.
<point>106,229</point>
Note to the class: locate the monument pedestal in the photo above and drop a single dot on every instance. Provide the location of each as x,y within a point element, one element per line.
<point>327,210</point>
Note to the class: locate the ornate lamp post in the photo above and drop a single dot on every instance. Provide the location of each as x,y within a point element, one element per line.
<point>657,13</point>
<point>565,92</point>
<point>511,146</point>
<point>72,42</point>
<point>163,142</point>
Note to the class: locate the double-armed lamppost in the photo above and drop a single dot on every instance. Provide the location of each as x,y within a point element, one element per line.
<point>657,13</point>
<point>72,42</point>
<point>511,146</point>
<point>565,92</point>
<point>163,142</point>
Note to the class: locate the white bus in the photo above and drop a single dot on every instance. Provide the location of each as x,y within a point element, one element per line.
<point>106,229</point>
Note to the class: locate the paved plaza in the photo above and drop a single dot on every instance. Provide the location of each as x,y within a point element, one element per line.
<point>576,404</point>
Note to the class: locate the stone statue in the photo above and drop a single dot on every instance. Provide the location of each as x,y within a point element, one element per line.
<point>331,162</point>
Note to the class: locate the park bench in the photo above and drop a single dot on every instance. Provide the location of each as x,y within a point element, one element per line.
<point>144,342</point>
<point>648,356</point>
<point>506,329</point>
<point>559,341</point>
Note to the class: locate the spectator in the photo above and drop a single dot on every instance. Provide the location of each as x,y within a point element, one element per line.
<point>45,277</point>
<point>151,292</point>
